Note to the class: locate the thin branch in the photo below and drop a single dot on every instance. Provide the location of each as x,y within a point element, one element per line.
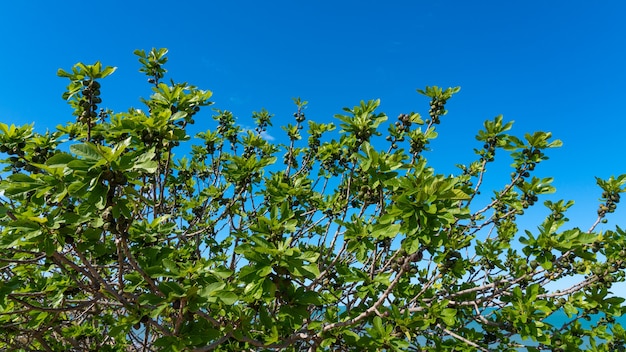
<point>461,338</point>
<point>371,309</point>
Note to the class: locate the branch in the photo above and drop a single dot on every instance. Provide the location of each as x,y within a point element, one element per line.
<point>459,337</point>
<point>371,309</point>
<point>593,227</point>
<point>214,344</point>
<point>133,263</point>
<point>570,290</point>
<point>46,309</point>
<point>92,274</point>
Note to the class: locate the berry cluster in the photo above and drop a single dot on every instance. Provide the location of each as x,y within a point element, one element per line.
<point>299,116</point>
<point>113,180</point>
<point>555,216</point>
<point>490,145</point>
<point>418,143</point>
<point>529,199</point>
<point>609,206</point>
<point>367,194</point>
<point>39,156</point>
<point>262,120</point>
<point>502,212</point>
<point>436,109</point>
<point>210,147</point>
<point>148,137</point>
<point>404,122</point>
<point>314,142</point>
<point>249,151</point>
<point>290,160</point>
<point>408,261</point>
<point>488,153</point>
<point>15,149</point>
<point>533,155</point>
<point>294,131</point>
<point>363,135</point>
<point>337,162</point>
<point>154,71</point>
<point>118,225</point>
<point>89,103</point>
<point>402,126</point>
<point>226,127</point>
<point>24,159</point>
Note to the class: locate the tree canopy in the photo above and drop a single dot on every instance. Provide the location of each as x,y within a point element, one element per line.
<point>120,232</point>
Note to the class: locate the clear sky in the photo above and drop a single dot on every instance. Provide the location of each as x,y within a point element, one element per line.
<point>548,65</point>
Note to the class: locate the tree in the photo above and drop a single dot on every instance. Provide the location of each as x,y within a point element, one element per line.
<point>336,240</point>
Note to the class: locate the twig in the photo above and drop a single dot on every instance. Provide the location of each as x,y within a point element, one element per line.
<point>459,337</point>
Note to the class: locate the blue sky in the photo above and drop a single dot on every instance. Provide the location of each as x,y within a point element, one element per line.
<point>556,66</point>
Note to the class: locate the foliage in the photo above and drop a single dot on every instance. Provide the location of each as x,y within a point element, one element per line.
<point>334,240</point>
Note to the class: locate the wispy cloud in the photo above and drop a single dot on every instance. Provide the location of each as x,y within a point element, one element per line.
<point>264,134</point>
<point>267,136</point>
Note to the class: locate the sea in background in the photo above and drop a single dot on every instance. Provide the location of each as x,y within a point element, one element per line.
<point>556,319</point>
<point>559,318</point>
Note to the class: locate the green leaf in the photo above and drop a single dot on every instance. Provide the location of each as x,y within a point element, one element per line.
<point>171,266</point>
<point>171,289</point>
<point>448,316</point>
<point>87,151</point>
<point>144,162</point>
<point>377,322</point>
<point>570,310</point>
<point>59,160</point>
<point>227,297</point>
<point>310,271</point>
<point>264,271</point>
<point>211,289</point>
<point>107,71</point>
<point>385,231</point>
<point>80,165</point>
